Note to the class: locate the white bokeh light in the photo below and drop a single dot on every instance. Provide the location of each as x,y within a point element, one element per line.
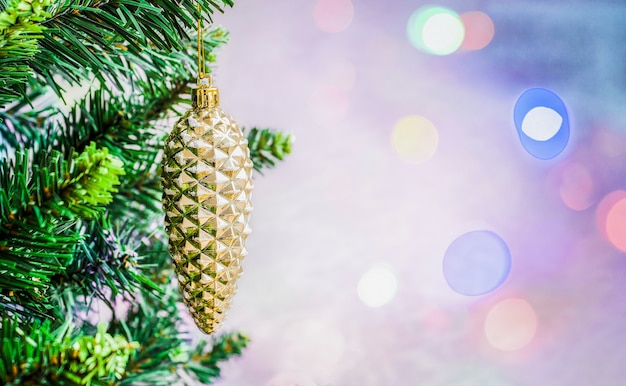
<point>541,123</point>
<point>443,33</point>
<point>377,287</point>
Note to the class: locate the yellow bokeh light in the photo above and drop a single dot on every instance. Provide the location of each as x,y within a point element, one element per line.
<point>414,138</point>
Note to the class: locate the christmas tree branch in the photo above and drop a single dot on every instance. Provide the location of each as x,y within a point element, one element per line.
<point>163,353</point>
<point>41,201</point>
<point>154,324</point>
<point>111,263</point>
<point>160,83</point>
<point>36,192</point>
<point>100,39</point>
<point>25,127</point>
<point>20,32</point>
<point>37,354</point>
<point>204,362</point>
<point>125,124</point>
<point>267,147</point>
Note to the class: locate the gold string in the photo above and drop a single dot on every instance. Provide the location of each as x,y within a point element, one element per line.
<point>201,61</point>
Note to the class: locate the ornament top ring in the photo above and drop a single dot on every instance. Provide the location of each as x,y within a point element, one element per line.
<point>206,95</point>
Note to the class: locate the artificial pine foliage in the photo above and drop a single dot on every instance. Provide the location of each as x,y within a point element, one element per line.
<point>80,197</point>
<point>267,147</point>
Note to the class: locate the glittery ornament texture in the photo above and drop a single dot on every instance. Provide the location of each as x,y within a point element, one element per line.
<point>207,182</point>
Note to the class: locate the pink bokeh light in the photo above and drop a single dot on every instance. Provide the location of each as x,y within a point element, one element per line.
<point>606,208</point>
<point>479,30</point>
<point>333,15</point>
<point>616,225</point>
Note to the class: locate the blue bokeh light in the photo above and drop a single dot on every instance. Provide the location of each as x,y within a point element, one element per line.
<point>476,263</point>
<point>541,97</point>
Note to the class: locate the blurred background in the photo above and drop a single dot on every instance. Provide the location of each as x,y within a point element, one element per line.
<point>454,210</point>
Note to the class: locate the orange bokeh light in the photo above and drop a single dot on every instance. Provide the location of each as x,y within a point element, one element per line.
<point>511,324</point>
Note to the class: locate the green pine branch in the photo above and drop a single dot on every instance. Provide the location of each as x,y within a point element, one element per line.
<point>20,33</point>
<point>206,356</point>
<point>126,124</point>
<point>105,265</point>
<point>38,354</point>
<point>25,127</point>
<point>164,351</point>
<point>95,38</point>
<point>41,353</point>
<point>41,202</point>
<point>115,123</point>
<point>35,193</point>
<point>267,147</point>
<point>159,86</point>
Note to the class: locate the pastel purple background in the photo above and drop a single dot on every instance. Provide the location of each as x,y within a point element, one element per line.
<point>345,202</point>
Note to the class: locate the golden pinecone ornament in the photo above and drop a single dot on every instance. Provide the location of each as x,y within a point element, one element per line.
<point>207,182</point>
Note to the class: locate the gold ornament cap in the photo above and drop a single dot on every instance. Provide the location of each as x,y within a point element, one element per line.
<point>205,95</point>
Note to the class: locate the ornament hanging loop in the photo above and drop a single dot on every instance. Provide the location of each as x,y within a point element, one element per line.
<point>201,57</point>
<point>205,95</point>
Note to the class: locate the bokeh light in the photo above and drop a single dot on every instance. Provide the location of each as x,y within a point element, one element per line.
<point>414,138</point>
<point>542,123</point>
<point>611,205</point>
<point>611,218</point>
<point>479,30</point>
<point>436,30</point>
<point>333,15</point>
<point>377,287</point>
<point>576,186</point>
<point>616,225</point>
<point>328,104</point>
<point>511,324</point>
<point>476,263</point>
<point>291,379</point>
